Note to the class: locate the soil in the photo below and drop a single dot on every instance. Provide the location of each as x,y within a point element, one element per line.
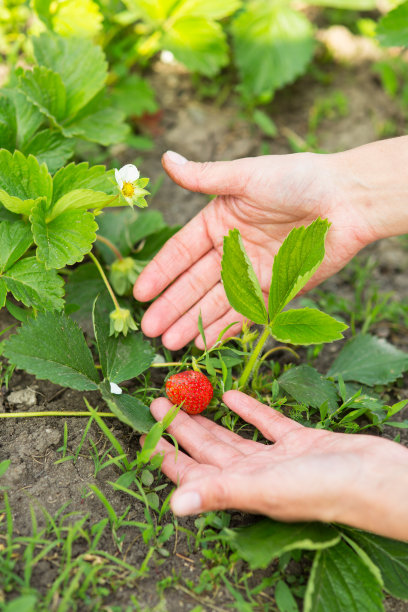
<point>201,131</point>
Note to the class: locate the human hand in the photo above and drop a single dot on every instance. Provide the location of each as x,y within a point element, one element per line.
<point>264,198</point>
<point>307,474</point>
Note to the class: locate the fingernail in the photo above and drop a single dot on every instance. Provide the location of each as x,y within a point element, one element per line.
<point>176,158</point>
<point>186,503</point>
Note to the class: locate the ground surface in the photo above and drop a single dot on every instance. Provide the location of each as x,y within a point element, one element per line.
<point>201,131</point>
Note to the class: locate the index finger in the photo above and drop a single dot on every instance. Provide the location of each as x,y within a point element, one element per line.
<point>271,423</point>
<point>177,255</point>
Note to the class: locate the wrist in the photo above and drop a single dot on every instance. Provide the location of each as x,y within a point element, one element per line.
<point>377,498</point>
<point>373,181</point>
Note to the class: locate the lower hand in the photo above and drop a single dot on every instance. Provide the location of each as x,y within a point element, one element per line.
<point>306,474</point>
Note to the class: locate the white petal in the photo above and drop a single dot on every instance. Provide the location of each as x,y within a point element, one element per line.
<point>118,178</point>
<point>115,389</point>
<point>129,173</point>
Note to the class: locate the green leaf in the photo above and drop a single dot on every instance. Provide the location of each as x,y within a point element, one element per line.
<point>284,598</point>
<point>275,39</point>
<point>197,43</point>
<point>50,147</point>
<point>31,283</point>
<point>297,260</point>
<point>65,239</point>
<point>77,18</point>
<point>29,118</point>
<point>210,9</point>
<point>392,29</point>
<point>261,543</point>
<point>369,360</point>
<point>80,200</point>
<point>53,347</point>
<point>104,125</point>
<point>134,96</point>
<point>81,176</point>
<point>124,228</point>
<point>44,88</point>
<point>82,288</point>
<point>265,123</point>
<point>240,283</point>
<point>23,177</point>
<point>18,206</point>
<point>8,124</point>
<point>128,409</point>
<point>341,581</point>
<point>79,62</point>
<point>306,326</point>
<point>307,386</point>
<point>353,5</point>
<point>3,293</point>
<point>15,239</point>
<point>390,556</point>
<point>122,358</point>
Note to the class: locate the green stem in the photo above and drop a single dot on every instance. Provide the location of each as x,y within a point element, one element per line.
<point>253,359</point>
<point>110,246</point>
<point>105,280</point>
<point>19,415</point>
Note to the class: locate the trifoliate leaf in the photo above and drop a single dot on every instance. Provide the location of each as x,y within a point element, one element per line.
<point>65,239</point>
<point>392,29</point>
<point>297,260</point>
<point>261,543</point>
<point>44,88</point>
<point>8,124</point>
<point>240,283</point>
<point>50,147</point>
<point>121,358</point>
<point>52,347</point>
<point>275,39</point>
<point>80,63</point>
<point>197,43</point>
<point>369,360</point>
<point>340,581</point>
<point>81,176</point>
<point>23,177</point>
<point>306,326</point>
<point>15,239</point>
<point>31,283</point>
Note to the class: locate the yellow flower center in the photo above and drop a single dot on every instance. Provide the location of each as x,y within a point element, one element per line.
<point>128,190</point>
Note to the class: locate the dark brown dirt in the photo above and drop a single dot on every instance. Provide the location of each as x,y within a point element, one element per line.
<point>200,131</point>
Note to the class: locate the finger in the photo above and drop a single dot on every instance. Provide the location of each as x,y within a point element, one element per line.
<point>213,331</point>
<point>201,444</point>
<point>213,306</point>
<point>246,447</point>
<point>220,178</point>
<point>271,423</point>
<point>177,255</point>
<point>188,289</point>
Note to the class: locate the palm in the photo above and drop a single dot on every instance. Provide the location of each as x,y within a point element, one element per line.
<point>265,212</point>
<point>300,464</point>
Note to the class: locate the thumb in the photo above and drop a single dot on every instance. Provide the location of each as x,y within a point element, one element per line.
<point>213,493</point>
<point>217,178</point>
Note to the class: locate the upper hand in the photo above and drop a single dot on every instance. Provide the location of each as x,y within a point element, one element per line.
<point>264,198</point>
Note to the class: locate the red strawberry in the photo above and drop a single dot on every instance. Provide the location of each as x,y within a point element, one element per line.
<point>192,388</point>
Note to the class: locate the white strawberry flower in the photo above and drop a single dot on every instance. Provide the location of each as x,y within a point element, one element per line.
<point>126,178</point>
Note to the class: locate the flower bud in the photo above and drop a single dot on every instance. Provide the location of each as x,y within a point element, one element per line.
<point>121,321</point>
<point>123,274</point>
